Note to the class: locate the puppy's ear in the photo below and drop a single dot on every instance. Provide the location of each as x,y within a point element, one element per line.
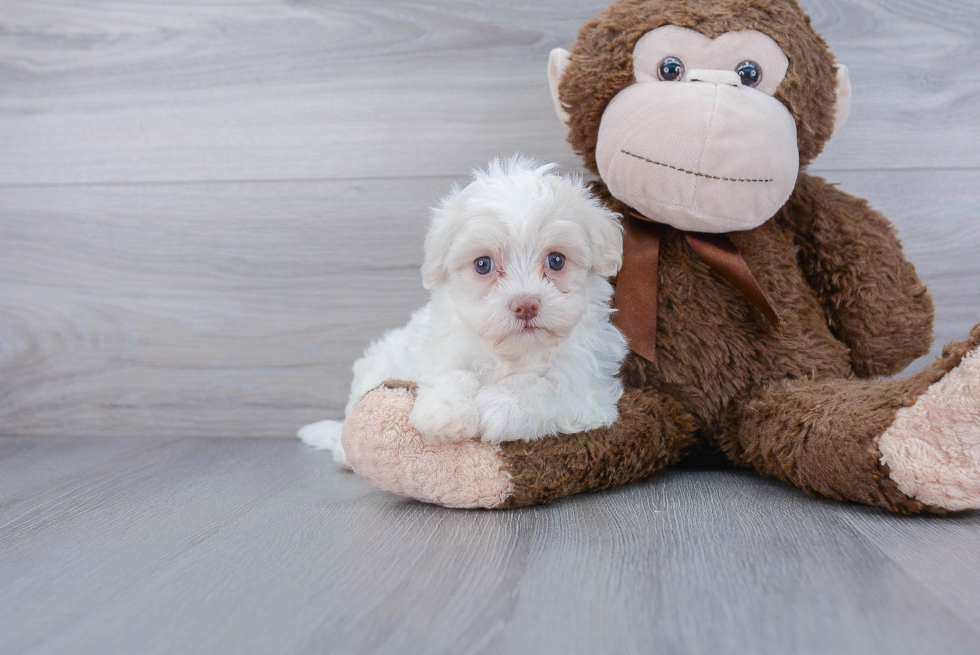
<point>442,230</point>
<point>434,264</point>
<point>606,234</point>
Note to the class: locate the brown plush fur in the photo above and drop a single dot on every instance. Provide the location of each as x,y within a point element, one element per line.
<point>872,299</point>
<point>820,435</point>
<point>651,434</point>
<point>714,348</point>
<point>795,404</point>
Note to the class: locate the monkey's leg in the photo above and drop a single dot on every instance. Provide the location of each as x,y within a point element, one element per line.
<point>382,446</point>
<point>909,446</point>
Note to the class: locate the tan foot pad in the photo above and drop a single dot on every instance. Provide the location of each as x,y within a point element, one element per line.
<point>384,448</point>
<point>933,447</point>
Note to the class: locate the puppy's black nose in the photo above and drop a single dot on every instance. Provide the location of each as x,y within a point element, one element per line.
<point>525,308</point>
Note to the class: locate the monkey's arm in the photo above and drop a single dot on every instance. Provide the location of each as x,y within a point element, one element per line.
<point>874,301</point>
<point>651,433</point>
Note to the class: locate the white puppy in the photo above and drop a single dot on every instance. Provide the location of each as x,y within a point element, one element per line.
<point>516,341</point>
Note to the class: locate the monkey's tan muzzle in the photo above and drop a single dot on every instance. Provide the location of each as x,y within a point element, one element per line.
<point>704,156</point>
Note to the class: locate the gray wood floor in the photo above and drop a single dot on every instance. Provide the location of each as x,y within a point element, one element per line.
<point>260,546</point>
<point>208,209</point>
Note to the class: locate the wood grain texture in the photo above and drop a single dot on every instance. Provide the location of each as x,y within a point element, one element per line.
<point>940,554</point>
<point>176,308</point>
<point>258,546</point>
<point>28,471</point>
<point>134,91</point>
<point>208,210</point>
<point>117,524</point>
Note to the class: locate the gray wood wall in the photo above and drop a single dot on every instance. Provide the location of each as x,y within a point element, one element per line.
<point>208,209</point>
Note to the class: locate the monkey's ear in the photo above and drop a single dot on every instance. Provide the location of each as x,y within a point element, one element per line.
<point>843,97</point>
<point>557,63</point>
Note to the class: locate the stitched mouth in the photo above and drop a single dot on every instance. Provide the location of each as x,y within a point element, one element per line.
<point>694,173</point>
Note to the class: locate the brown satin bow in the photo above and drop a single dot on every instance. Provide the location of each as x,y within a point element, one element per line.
<point>636,285</point>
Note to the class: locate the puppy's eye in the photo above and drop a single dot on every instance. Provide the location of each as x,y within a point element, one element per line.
<point>750,72</point>
<point>556,261</point>
<point>671,69</point>
<point>483,265</point>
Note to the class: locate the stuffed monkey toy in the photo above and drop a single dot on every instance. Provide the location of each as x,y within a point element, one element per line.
<point>761,303</point>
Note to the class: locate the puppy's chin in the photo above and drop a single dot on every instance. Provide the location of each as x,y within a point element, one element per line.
<point>525,340</point>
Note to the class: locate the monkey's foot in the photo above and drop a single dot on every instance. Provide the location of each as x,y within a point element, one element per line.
<point>933,448</point>
<point>384,449</point>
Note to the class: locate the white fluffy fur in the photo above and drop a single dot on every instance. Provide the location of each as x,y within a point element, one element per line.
<point>482,371</point>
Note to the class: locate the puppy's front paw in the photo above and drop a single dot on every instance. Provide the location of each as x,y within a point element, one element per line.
<point>443,417</point>
<point>504,417</point>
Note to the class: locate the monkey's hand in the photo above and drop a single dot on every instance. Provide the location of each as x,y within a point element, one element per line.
<point>874,301</point>
<point>384,448</point>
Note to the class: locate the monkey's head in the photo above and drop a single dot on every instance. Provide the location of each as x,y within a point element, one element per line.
<point>700,113</point>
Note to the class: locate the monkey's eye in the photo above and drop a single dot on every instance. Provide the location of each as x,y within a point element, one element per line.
<point>483,265</point>
<point>671,69</point>
<point>556,261</point>
<point>750,72</point>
